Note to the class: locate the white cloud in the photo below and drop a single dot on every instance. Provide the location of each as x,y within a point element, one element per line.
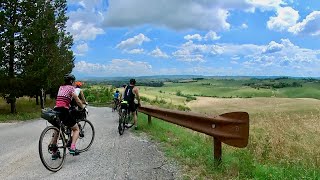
<point>211,35</point>
<point>133,42</point>
<point>274,54</point>
<point>194,36</point>
<point>81,49</point>
<point>244,26</point>
<point>175,14</point>
<point>158,53</point>
<point>267,5</point>
<point>286,17</point>
<point>134,51</point>
<point>114,68</point>
<point>284,54</point>
<point>84,23</point>
<point>310,25</point>
<point>83,31</point>
<point>273,47</point>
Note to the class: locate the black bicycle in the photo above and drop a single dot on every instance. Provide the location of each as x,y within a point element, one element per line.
<point>116,105</point>
<point>125,117</point>
<point>54,140</point>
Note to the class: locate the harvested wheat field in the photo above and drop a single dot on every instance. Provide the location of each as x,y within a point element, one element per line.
<point>281,129</point>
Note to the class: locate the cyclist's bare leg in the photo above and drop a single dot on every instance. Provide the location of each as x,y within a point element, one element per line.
<point>75,134</point>
<point>135,118</point>
<point>54,139</point>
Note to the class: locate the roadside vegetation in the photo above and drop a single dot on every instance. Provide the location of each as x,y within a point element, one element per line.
<point>26,109</point>
<point>284,124</point>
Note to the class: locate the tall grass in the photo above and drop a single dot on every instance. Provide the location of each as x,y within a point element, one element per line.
<point>26,109</point>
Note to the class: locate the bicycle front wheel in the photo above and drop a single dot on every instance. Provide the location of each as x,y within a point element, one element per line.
<point>122,117</point>
<point>86,135</point>
<point>52,149</point>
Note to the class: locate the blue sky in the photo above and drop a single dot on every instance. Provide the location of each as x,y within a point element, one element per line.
<point>195,37</point>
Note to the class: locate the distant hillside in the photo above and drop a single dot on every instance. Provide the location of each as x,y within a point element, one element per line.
<point>182,77</point>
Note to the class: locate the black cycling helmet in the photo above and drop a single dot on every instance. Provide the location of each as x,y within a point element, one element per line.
<point>117,91</point>
<point>69,78</point>
<point>132,81</point>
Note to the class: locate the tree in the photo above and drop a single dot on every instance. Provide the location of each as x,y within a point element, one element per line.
<point>11,63</point>
<point>35,49</point>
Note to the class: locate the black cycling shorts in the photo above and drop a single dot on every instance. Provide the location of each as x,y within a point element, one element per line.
<point>65,116</point>
<point>133,106</point>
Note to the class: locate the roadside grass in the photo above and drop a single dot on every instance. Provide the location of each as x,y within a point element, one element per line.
<point>26,109</point>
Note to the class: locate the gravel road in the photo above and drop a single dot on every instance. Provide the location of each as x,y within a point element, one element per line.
<point>110,157</point>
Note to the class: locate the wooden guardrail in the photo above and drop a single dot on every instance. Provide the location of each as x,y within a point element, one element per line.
<point>230,128</point>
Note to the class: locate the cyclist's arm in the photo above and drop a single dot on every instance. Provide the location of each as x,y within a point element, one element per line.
<point>136,92</point>
<point>76,98</point>
<point>82,96</point>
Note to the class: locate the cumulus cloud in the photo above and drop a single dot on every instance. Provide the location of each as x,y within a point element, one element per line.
<point>266,5</point>
<point>191,51</point>
<point>134,51</point>
<point>192,37</point>
<point>133,42</point>
<point>244,26</point>
<point>310,25</point>
<point>158,53</point>
<point>179,14</point>
<point>273,54</point>
<point>286,17</point>
<point>284,53</point>
<point>81,49</point>
<point>175,14</point>
<point>85,23</point>
<point>83,31</point>
<point>273,47</point>
<point>114,68</point>
<point>211,35</point>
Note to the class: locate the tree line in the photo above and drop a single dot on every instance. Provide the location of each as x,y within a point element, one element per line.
<point>35,49</point>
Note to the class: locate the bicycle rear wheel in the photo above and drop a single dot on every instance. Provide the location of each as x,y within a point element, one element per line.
<point>86,135</point>
<point>48,149</point>
<point>122,118</point>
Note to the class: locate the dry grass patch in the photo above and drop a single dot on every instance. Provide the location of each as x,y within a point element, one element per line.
<point>281,129</point>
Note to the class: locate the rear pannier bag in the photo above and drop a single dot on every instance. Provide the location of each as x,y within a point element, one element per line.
<point>50,115</point>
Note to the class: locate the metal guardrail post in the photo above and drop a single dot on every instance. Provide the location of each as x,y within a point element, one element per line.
<point>217,152</point>
<point>149,119</point>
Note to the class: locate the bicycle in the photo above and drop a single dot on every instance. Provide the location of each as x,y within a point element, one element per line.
<point>125,117</point>
<point>116,105</point>
<point>47,148</point>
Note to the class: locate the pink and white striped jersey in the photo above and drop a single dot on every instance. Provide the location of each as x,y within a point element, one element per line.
<point>64,96</point>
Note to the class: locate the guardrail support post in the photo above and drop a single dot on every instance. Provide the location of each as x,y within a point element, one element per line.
<point>217,151</point>
<point>149,119</point>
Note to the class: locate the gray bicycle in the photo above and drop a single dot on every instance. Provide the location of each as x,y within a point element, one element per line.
<point>56,139</point>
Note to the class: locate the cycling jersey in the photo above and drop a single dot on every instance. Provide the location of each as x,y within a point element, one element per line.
<point>64,96</point>
<point>129,97</point>
<point>77,91</point>
<point>128,94</point>
<point>116,95</point>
